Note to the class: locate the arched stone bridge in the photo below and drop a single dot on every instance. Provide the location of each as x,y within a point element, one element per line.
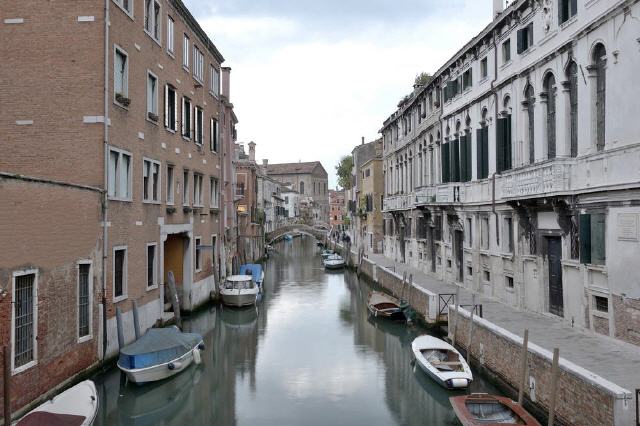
<point>317,231</point>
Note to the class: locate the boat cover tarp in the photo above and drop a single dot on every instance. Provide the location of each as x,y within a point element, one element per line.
<point>492,412</point>
<point>253,269</point>
<point>44,418</point>
<point>157,346</point>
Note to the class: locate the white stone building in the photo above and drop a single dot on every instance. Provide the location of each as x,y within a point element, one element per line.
<point>513,172</point>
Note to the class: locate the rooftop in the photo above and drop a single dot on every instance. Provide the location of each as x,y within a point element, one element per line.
<point>293,168</point>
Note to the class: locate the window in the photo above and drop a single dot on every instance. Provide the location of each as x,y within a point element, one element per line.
<point>486,276</point>
<point>593,239</point>
<point>185,188</point>
<point>508,234</point>
<point>467,79</point>
<point>503,143</point>
<point>169,184</point>
<point>600,67</point>
<point>572,76</point>
<point>214,80</point>
<point>197,189</point>
<point>469,232</point>
<point>126,5</point>
<point>85,284</point>
<point>508,282</point>
<point>198,254</point>
<point>119,273</point>
<point>214,195</point>
<point>199,125</point>
<point>484,233</point>
<point>152,18</point>
<point>484,70</point>
<point>550,89</point>
<point>152,265</point>
<point>121,77</point>
<point>302,188</point>
<point>185,52</point>
<point>186,118</point>
<point>525,38</point>
<point>170,108</point>
<point>482,151</point>
<point>198,64</point>
<point>152,96</point>
<point>170,32</point>
<point>506,51</point>
<point>601,304</point>
<point>150,181</point>
<point>25,311</point>
<point>567,9</point>
<point>214,134</point>
<point>119,174</point>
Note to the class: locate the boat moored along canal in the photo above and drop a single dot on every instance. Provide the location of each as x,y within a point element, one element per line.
<point>442,362</point>
<point>239,291</point>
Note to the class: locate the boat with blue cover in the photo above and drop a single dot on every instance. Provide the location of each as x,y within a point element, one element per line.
<point>256,272</point>
<point>160,353</point>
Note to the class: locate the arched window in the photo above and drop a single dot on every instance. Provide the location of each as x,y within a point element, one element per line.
<point>302,188</point>
<point>572,77</point>
<point>530,100</point>
<point>600,62</point>
<point>550,88</point>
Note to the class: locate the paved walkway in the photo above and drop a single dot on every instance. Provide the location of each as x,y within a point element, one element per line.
<point>611,359</point>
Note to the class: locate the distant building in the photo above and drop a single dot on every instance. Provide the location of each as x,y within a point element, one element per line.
<point>336,209</point>
<point>370,205</point>
<point>310,180</point>
<point>250,219</point>
<point>270,200</point>
<point>291,203</point>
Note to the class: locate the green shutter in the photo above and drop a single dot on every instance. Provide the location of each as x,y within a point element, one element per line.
<point>479,154</point>
<point>585,238</point>
<point>507,144</point>
<point>454,160</point>
<point>463,158</point>
<point>444,154</point>
<point>500,145</point>
<point>485,152</point>
<point>467,141</point>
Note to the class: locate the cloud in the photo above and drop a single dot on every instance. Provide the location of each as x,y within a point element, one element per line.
<point>310,79</point>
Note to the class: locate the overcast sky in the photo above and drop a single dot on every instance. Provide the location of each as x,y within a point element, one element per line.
<point>310,78</point>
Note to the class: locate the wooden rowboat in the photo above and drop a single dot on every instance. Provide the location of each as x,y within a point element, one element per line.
<point>480,409</point>
<point>383,305</point>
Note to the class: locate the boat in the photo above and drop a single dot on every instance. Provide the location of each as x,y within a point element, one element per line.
<point>288,237</point>
<point>239,290</point>
<point>77,406</point>
<point>335,261</point>
<point>159,354</point>
<point>385,306</point>
<point>483,409</point>
<point>442,362</point>
<point>326,253</point>
<point>255,271</point>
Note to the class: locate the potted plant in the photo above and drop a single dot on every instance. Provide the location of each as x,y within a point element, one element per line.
<point>171,210</point>
<point>152,116</point>
<point>187,209</point>
<point>122,100</point>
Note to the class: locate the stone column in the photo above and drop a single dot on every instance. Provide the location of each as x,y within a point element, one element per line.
<point>542,140</point>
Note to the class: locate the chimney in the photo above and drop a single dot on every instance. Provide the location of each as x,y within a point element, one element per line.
<point>252,151</point>
<point>226,83</point>
<point>265,166</point>
<point>498,7</point>
<point>363,140</point>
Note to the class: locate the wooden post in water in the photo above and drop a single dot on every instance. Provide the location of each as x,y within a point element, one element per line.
<point>523,366</point>
<point>473,309</point>
<point>554,386</point>
<point>455,316</point>
<point>119,327</point>
<point>7,385</point>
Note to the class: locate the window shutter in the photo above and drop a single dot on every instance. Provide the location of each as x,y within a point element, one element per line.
<point>560,12</point>
<point>184,128</point>
<point>479,154</point>
<point>468,158</point>
<point>585,238</point>
<point>444,154</point>
<point>598,239</point>
<point>166,105</point>
<point>507,153</point>
<point>192,117</point>
<point>520,41</point>
<point>485,152</point>
<point>500,145</point>
<point>574,8</point>
<point>463,158</point>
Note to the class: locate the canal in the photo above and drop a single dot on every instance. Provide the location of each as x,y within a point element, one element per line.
<point>309,354</point>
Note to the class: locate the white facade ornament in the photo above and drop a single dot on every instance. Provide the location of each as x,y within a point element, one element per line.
<point>547,15</point>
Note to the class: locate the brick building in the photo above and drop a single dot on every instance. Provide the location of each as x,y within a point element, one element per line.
<point>336,209</point>
<point>121,172</point>
<point>250,218</point>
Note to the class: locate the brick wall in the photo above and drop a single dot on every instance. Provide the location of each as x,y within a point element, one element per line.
<point>626,314</point>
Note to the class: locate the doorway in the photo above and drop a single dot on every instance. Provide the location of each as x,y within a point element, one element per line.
<point>554,255</point>
<point>176,260</point>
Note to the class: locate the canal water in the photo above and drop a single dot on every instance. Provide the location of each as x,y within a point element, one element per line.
<point>309,354</point>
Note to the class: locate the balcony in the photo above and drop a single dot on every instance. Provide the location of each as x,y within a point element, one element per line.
<point>397,202</point>
<point>549,178</point>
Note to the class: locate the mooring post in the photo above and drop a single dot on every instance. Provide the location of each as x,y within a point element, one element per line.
<point>7,385</point>
<point>554,386</point>
<point>523,366</point>
<point>455,316</point>
<point>119,327</point>
<point>473,309</point>
<point>136,319</point>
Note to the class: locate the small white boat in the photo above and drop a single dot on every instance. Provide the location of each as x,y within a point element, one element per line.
<point>442,362</point>
<point>159,354</point>
<point>77,406</point>
<point>239,290</point>
<point>335,261</point>
<point>326,253</point>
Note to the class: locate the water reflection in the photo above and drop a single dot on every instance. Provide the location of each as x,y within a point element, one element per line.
<point>308,354</point>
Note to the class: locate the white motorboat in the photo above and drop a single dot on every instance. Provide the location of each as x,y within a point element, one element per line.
<point>442,362</point>
<point>77,406</point>
<point>335,261</point>
<point>239,290</point>
<point>159,354</point>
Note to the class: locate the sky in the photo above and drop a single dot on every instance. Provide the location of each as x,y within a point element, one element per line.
<point>310,78</point>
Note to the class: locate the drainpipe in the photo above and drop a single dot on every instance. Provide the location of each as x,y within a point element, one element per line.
<point>105,195</point>
<point>495,96</point>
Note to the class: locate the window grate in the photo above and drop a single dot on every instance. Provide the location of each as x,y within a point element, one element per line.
<point>24,327</point>
<point>83,300</point>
